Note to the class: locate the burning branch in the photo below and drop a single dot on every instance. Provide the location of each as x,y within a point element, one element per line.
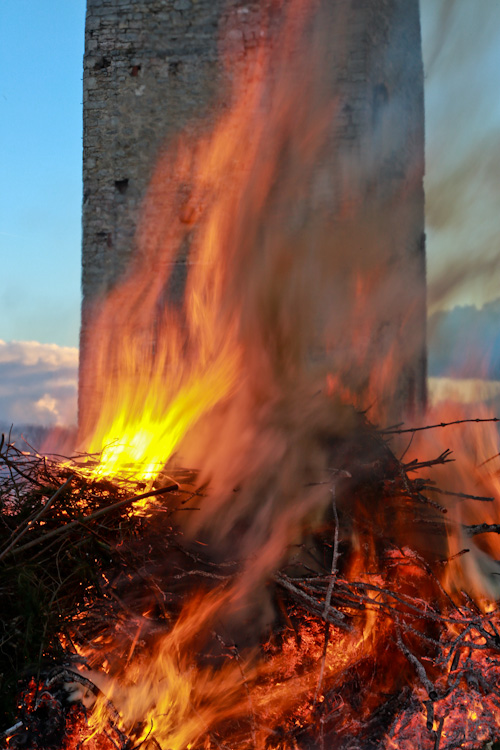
<point>328,612</point>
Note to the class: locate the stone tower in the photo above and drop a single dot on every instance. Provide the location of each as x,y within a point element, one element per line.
<point>152,67</point>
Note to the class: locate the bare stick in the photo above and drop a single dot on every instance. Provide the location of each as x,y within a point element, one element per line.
<point>392,431</point>
<point>491,458</point>
<point>12,465</point>
<point>335,557</point>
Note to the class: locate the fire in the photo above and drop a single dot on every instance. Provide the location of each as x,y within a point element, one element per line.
<point>378,636</point>
<point>472,483</point>
<point>252,379</point>
<point>178,702</point>
<point>283,287</point>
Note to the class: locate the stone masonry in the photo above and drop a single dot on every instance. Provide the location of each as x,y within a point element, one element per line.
<point>152,68</point>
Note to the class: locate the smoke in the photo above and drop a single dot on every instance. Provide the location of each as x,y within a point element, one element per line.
<point>462,67</point>
<point>312,266</point>
<point>289,235</point>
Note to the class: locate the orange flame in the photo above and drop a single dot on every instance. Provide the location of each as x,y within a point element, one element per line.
<point>473,473</point>
<point>284,284</point>
<point>283,313</point>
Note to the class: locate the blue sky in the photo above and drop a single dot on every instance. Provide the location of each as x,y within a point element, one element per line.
<point>41,54</point>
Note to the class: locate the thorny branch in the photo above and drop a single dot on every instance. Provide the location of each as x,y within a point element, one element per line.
<point>401,431</point>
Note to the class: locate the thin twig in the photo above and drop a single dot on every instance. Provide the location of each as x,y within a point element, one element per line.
<point>15,466</point>
<point>391,431</point>
<point>333,616</point>
<point>96,514</point>
<point>335,556</point>
<point>463,495</point>
<point>31,523</point>
<point>491,458</point>
<point>443,458</point>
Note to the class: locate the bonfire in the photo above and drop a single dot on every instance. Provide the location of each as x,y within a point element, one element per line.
<point>124,633</point>
<point>244,553</point>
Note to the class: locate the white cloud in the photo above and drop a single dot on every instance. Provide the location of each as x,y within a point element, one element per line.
<point>38,383</point>
<point>32,353</point>
<point>47,403</point>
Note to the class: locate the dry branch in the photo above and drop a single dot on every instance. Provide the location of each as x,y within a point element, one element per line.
<point>91,598</point>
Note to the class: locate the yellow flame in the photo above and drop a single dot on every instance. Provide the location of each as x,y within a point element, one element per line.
<point>277,277</point>
<point>140,441</point>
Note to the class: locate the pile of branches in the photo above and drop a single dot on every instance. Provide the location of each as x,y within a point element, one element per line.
<point>77,554</point>
<point>59,533</point>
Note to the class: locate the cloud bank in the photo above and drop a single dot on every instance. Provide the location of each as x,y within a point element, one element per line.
<point>38,383</point>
